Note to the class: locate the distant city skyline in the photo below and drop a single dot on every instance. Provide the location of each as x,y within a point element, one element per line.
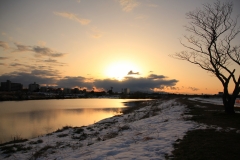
<point>94,43</point>
<point>116,88</point>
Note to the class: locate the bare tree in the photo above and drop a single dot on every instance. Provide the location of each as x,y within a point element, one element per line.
<point>210,46</point>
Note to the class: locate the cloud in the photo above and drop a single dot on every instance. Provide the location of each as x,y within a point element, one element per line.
<point>44,76</point>
<point>22,48</point>
<point>27,78</point>
<point>4,45</point>
<point>171,88</point>
<point>128,5</point>
<point>22,65</point>
<point>16,64</point>
<point>26,67</point>
<point>46,73</point>
<point>44,51</point>
<point>53,61</point>
<point>133,73</point>
<point>73,17</point>
<point>156,77</point>
<point>193,88</point>
<point>136,84</point>
<point>50,60</point>
<point>3,58</point>
<point>40,51</point>
<point>70,82</point>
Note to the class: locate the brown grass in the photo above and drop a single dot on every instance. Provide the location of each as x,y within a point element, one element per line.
<point>209,143</point>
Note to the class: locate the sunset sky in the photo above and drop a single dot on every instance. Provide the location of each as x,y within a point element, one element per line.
<point>101,44</point>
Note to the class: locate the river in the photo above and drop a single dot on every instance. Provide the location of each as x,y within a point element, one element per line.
<point>28,119</point>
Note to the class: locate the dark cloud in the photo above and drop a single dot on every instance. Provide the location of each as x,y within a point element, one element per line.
<point>44,76</point>
<point>27,78</point>
<point>154,76</point>
<point>45,73</point>
<point>133,73</point>
<point>79,81</point>
<point>135,84</point>
<point>4,45</point>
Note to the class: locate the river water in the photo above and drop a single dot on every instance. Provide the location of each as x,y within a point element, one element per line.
<point>27,119</point>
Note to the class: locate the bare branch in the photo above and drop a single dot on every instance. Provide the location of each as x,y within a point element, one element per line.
<point>213,31</point>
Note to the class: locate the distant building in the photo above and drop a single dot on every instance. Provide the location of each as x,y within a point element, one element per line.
<point>43,89</point>
<point>59,90</point>
<point>220,93</point>
<point>126,91</point>
<point>75,90</point>
<point>67,90</point>
<point>9,86</point>
<point>33,87</point>
<point>84,91</point>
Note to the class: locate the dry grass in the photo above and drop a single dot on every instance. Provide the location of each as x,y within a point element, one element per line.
<point>209,143</point>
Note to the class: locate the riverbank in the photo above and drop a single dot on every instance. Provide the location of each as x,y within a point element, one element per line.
<point>152,130</point>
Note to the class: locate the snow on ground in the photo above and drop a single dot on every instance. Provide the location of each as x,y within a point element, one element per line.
<point>147,133</point>
<point>217,101</point>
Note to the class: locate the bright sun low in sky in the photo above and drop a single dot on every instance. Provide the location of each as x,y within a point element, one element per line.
<point>101,44</point>
<point>119,69</point>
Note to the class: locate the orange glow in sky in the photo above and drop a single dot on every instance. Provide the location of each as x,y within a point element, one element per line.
<point>91,43</point>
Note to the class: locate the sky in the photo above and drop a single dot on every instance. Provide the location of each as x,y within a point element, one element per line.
<point>101,44</point>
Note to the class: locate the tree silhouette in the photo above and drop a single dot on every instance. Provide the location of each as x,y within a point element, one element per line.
<point>211,46</point>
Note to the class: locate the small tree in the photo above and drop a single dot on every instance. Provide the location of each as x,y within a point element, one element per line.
<point>211,46</point>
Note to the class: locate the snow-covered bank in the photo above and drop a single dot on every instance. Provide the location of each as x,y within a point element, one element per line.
<point>147,133</point>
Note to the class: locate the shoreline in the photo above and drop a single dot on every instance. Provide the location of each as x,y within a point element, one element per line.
<point>130,105</point>
<point>105,133</point>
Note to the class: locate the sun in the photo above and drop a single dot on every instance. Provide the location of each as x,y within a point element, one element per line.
<point>119,69</point>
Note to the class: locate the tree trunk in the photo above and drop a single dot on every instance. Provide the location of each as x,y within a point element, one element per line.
<point>229,100</point>
<point>229,105</point>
